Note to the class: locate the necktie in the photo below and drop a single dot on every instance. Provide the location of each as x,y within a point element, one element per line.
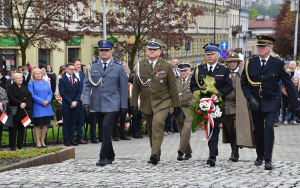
<point>210,70</point>
<point>71,81</point>
<point>263,64</point>
<point>183,82</point>
<point>151,65</point>
<point>105,64</point>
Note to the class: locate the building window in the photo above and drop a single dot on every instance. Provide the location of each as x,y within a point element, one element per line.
<point>73,53</point>
<point>44,57</point>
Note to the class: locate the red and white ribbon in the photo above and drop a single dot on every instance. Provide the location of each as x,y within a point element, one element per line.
<point>210,121</point>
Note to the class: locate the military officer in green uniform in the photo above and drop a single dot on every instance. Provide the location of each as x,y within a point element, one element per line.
<point>155,82</point>
<point>237,127</point>
<point>184,120</point>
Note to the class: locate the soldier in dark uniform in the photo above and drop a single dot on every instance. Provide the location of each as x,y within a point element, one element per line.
<point>105,93</point>
<point>259,82</point>
<point>223,85</point>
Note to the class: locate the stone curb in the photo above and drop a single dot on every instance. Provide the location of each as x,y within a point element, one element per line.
<point>50,158</point>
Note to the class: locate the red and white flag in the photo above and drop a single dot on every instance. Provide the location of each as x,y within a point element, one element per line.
<point>26,121</point>
<point>3,118</point>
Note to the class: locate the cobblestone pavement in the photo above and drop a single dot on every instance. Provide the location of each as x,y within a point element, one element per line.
<point>130,169</point>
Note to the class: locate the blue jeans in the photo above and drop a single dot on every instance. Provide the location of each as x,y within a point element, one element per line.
<point>288,115</point>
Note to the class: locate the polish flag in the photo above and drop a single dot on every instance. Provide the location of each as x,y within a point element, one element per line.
<point>26,121</point>
<point>3,118</point>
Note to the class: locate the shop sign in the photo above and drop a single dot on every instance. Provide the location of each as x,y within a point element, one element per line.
<point>9,41</point>
<point>113,39</point>
<point>75,41</point>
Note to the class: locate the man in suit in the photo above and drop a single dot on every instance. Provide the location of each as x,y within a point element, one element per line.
<point>184,120</point>
<point>259,82</point>
<point>48,77</point>
<point>155,82</point>
<point>223,85</point>
<point>10,80</point>
<point>105,92</point>
<point>26,76</point>
<point>80,75</point>
<point>70,91</point>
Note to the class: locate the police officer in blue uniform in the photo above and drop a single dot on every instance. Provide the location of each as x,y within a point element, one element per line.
<point>259,82</point>
<point>223,85</point>
<point>105,92</point>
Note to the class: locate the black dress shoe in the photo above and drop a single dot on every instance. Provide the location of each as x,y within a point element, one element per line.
<point>258,161</point>
<point>211,161</point>
<point>141,136</point>
<point>73,143</point>
<point>116,139</point>
<point>268,165</point>
<point>101,162</point>
<point>109,161</point>
<point>100,140</point>
<point>94,141</point>
<point>13,149</point>
<point>67,144</point>
<point>187,157</point>
<point>136,136</point>
<point>125,138</point>
<point>151,161</point>
<point>180,156</point>
<point>154,159</point>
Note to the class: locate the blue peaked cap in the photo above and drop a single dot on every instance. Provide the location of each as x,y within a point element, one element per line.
<point>105,44</point>
<point>211,48</point>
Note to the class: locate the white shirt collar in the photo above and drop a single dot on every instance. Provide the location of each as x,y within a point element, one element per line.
<point>265,59</point>
<point>68,75</point>
<point>213,66</point>
<point>154,63</point>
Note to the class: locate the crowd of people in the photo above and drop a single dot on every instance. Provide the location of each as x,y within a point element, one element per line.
<point>107,92</point>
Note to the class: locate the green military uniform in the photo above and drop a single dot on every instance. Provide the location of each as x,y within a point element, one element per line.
<point>236,120</point>
<point>157,96</point>
<point>184,120</point>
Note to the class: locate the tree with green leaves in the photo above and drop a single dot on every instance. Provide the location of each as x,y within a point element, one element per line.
<point>253,14</point>
<point>274,9</point>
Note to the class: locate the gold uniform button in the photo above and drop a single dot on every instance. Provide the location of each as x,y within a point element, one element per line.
<point>262,76</point>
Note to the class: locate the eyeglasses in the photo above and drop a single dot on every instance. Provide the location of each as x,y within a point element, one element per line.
<point>152,49</point>
<point>71,69</point>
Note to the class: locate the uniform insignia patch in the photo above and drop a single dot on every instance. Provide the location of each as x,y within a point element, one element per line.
<point>230,76</point>
<point>219,75</point>
<point>160,72</point>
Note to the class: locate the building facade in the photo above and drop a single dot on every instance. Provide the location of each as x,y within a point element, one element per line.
<point>220,22</point>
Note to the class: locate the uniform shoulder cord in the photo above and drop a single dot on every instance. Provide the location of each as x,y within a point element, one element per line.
<point>248,78</point>
<point>196,78</point>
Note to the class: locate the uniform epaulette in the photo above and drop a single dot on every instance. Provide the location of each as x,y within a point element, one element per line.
<point>118,62</point>
<point>95,61</point>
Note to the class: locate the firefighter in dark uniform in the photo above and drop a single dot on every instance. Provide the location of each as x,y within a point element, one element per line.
<point>259,82</point>
<point>223,85</point>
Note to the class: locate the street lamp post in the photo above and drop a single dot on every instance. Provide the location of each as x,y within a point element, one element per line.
<point>104,19</point>
<point>215,21</point>
<point>296,30</point>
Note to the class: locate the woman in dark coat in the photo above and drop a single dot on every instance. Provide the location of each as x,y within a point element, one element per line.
<point>19,96</point>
